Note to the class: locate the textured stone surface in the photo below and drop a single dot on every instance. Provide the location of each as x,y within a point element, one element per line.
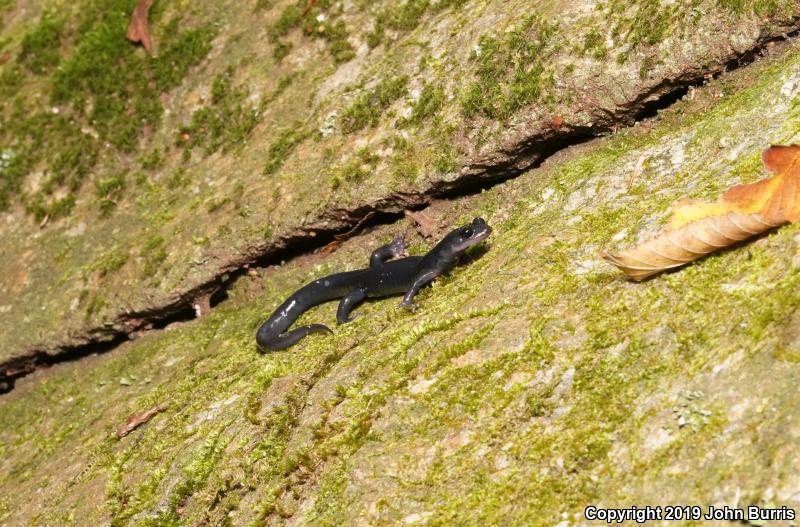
<point>527,385</point>
<point>449,94</point>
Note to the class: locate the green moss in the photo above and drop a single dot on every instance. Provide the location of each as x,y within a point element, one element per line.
<point>11,79</point>
<point>594,44</point>
<point>179,178</point>
<point>74,162</point>
<point>32,137</point>
<point>290,18</point>
<point>110,83</point>
<point>152,160</point>
<point>368,107</point>
<point>282,147</point>
<point>644,23</point>
<point>407,15</point>
<point>13,168</point>
<point>94,306</point>
<point>225,123</point>
<point>646,68</point>
<point>316,20</point>
<point>102,83</point>
<point>357,169</point>
<point>511,71</point>
<point>403,169</point>
<point>262,5</point>
<point>403,165</point>
<point>154,253</point>
<point>110,261</point>
<point>446,157</point>
<point>40,48</point>
<point>375,37</point>
<point>6,5</point>
<point>284,82</point>
<point>109,191</point>
<point>430,101</point>
<point>335,33</point>
<point>52,208</point>
<point>759,7</point>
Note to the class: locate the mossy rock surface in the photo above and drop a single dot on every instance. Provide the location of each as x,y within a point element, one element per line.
<point>528,384</point>
<point>132,184</point>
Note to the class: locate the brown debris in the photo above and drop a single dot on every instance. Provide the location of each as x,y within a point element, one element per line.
<point>340,238</point>
<point>140,418</point>
<point>426,226</point>
<point>555,123</point>
<point>139,30</point>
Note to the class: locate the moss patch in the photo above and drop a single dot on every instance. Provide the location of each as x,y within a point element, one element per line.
<point>511,71</point>
<point>225,123</point>
<point>40,50</point>
<point>282,147</point>
<point>368,107</point>
<point>316,20</point>
<point>102,89</point>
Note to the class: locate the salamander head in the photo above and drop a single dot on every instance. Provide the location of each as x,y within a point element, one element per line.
<point>470,234</point>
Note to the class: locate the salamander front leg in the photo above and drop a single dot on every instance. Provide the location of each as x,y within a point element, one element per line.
<point>348,303</point>
<point>420,281</point>
<point>395,249</point>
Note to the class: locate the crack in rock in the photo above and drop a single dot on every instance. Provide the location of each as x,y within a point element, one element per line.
<point>528,148</point>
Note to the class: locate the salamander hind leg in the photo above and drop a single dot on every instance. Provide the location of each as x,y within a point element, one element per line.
<point>348,303</point>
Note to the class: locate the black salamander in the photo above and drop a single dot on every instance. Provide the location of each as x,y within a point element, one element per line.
<point>383,277</point>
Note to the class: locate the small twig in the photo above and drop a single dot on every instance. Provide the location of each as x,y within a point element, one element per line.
<point>339,238</point>
<point>309,7</point>
<point>361,222</point>
<point>139,418</point>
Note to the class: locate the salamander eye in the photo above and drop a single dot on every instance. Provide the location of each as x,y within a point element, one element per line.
<point>467,232</point>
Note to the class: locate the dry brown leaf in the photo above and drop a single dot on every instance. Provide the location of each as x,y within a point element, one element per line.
<point>139,418</point>
<point>139,30</point>
<point>427,226</point>
<point>698,228</point>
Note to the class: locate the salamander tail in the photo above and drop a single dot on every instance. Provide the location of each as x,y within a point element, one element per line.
<point>269,342</point>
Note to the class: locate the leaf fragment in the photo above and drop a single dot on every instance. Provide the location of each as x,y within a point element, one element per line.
<point>139,30</point>
<point>677,247</point>
<point>139,418</point>
<point>426,225</point>
<point>698,228</point>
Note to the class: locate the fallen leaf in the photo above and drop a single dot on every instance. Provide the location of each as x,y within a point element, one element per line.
<point>5,57</point>
<point>139,418</point>
<point>427,226</point>
<point>698,228</point>
<point>138,30</point>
